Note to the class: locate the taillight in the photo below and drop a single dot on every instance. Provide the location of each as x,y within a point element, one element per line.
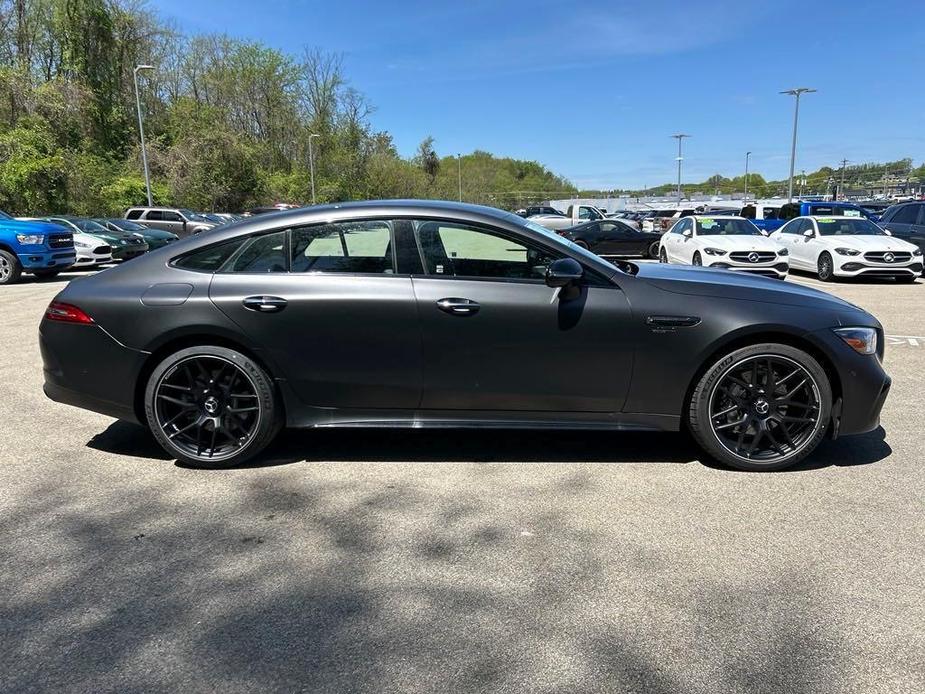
<point>66,313</point>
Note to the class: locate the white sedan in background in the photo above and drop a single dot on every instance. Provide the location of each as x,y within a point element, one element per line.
<point>848,247</point>
<point>90,250</point>
<point>726,242</point>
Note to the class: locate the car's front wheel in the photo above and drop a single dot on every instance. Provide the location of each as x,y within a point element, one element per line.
<point>211,406</point>
<point>662,256</point>
<point>825,269</point>
<point>698,261</point>
<point>10,269</point>
<point>763,407</point>
<point>653,250</point>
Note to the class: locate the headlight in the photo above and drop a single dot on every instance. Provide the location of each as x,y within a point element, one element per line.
<point>83,244</point>
<point>27,239</point>
<point>917,251</point>
<point>861,340</point>
<point>714,251</point>
<point>783,251</point>
<point>847,251</point>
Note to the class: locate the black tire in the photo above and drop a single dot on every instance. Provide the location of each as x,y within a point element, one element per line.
<point>697,261</point>
<point>10,269</point>
<point>46,274</point>
<point>582,244</point>
<point>662,256</point>
<point>653,250</point>
<point>759,409</point>
<point>181,401</point>
<point>824,267</point>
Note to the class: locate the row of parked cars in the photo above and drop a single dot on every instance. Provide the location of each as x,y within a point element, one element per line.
<point>831,239</point>
<point>45,246</point>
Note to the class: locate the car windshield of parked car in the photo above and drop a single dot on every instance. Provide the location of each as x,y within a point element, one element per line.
<point>89,226</point>
<point>709,226</point>
<point>126,225</point>
<point>848,227</point>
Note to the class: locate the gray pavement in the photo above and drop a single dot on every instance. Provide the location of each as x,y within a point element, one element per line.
<point>458,562</point>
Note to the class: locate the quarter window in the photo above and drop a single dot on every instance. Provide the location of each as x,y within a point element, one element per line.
<point>459,250</point>
<point>348,247</point>
<point>209,259</point>
<point>133,214</point>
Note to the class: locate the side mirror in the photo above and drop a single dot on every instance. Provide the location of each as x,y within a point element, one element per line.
<point>563,272</point>
<point>808,234</point>
<point>887,231</point>
<point>687,233</point>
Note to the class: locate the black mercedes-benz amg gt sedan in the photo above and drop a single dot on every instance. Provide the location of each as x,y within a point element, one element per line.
<point>435,314</point>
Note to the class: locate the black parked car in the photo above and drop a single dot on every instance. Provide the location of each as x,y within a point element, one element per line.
<point>610,237</point>
<point>435,314</point>
<point>155,238</point>
<point>906,221</point>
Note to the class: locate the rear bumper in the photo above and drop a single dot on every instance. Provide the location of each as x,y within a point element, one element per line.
<point>85,367</point>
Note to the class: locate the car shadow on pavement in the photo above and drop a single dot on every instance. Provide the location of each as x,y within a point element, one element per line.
<point>489,446</point>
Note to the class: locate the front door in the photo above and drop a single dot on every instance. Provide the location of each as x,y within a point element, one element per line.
<point>326,303</point>
<point>496,338</point>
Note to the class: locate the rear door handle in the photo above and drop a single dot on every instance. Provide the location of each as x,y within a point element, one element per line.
<point>458,307</point>
<point>265,304</point>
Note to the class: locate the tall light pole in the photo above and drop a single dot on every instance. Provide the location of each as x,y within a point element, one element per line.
<point>747,155</point>
<point>459,173</point>
<point>841,186</point>
<point>793,147</point>
<point>311,162</point>
<point>679,137</point>
<point>141,131</point>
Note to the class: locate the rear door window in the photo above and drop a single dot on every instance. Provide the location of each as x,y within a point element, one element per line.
<point>362,247</point>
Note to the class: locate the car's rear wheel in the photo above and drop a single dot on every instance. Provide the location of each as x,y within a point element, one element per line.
<point>582,244</point>
<point>211,406</point>
<point>653,250</point>
<point>764,407</point>
<point>825,268</point>
<point>10,269</point>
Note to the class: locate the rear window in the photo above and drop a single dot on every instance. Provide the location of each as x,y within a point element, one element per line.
<point>134,214</point>
<point>209,259</point>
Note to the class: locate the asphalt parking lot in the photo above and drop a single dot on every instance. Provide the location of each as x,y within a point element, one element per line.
<point>458,561</point>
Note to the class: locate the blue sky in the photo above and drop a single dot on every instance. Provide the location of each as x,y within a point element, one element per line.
<point>594,90</point>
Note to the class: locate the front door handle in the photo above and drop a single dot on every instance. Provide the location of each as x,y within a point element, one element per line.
<point>265,304</point>
<point>458,307</point>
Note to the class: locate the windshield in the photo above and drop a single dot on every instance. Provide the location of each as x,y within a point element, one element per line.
<point>848,227</point>
<point>126,225</point>
<point>726,227</point>
<point>88,225</point>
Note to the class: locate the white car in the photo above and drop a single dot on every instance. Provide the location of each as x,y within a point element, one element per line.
<point>724,242</point>
<point>848,247</point>
<point>91,250</point>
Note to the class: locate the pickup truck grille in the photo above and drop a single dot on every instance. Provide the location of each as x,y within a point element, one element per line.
<point>897,256</point>
<point>753,256</point>
<point>60,241</point>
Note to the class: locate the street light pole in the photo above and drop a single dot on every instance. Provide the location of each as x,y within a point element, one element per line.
<point>141,131</point>
<point>311,162</point>
<point>459,173</point>
<point>747,155</point>
<point>841,186</point>
<point>793,147</point>
<point>679,137</point>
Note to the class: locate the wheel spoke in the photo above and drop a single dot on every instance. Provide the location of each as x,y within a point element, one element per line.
<point>726,411</point>
<point>800,385</point>
<point>759,434</point>
<point>186,428</point>
<point>731,424</point>
<point>788,418</point>
<point>237,410</point>
<point>176,401</point>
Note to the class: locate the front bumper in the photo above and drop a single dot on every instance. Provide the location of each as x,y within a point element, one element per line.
<point>88,260</point>
<point>776,269</point>
<point>128,252</point>
<point>852,266</point>
<point>43,260</point>
<point>86,367</point>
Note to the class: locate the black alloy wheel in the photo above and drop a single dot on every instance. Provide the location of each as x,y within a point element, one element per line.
<point>825,269</point>
<point>763,407</point>
<point>211,407</point>
<point>698,261</point>
<point>653,250</point>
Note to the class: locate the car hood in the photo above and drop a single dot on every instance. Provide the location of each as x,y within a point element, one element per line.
<point>687,279</point>
<point>155,234</point>
<point>739,242</point>
<point>868,243</point>
<point>18,225</point>
<point>92,239</point>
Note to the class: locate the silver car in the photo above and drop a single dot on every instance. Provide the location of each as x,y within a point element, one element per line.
<point>177,220</point>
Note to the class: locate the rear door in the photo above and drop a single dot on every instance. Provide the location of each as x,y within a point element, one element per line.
<point>327,304</point>
<point>496,338</point>
<point>907,222</point>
